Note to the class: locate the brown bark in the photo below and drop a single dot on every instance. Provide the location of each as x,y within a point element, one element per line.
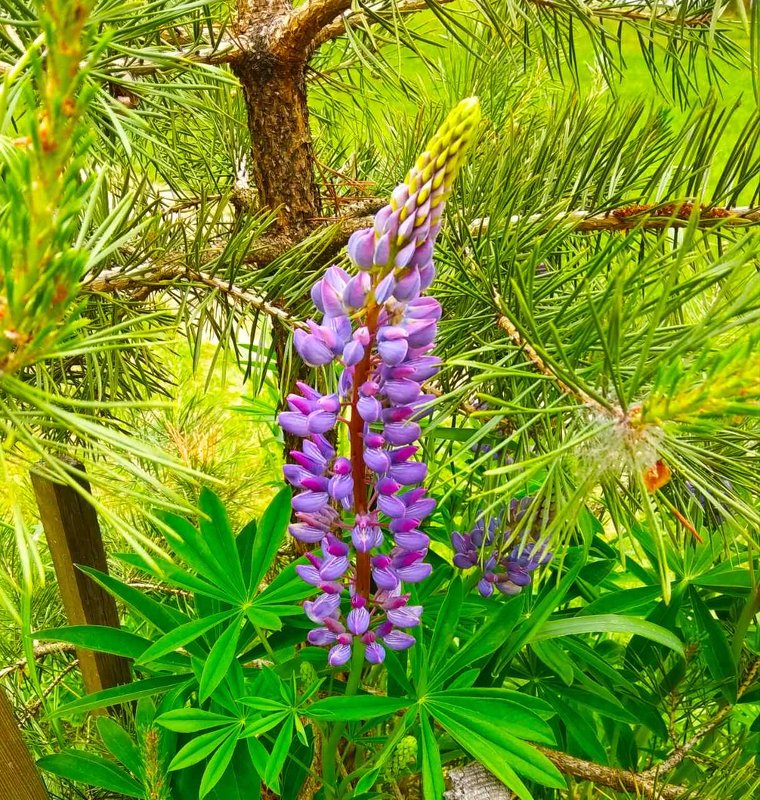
<point>282,157</point>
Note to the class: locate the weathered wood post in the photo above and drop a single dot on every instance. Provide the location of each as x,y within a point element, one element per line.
<point>19,778</point>
<point>73,535</point>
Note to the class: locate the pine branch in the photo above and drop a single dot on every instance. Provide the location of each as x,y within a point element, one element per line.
<point>678,755</point>
<point>645,216</point>
<point>611,777</point>
<point>40,652</point>
<point>354,19</point>
<point>646,784</point>
<point>143,282</point>
<point>296,36</point>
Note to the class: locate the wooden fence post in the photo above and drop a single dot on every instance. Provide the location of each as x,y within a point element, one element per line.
<point>19,778</point>
<point>73,535</point>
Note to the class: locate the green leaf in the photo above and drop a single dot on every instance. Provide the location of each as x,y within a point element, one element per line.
<point>218,534</point>
<point>120,694</point>
<point>279,754</point>
<point>219,660</point>
<point>358,707</point>
<point>555,659</point>
<point>217,764</point>
<point>639,600</point>
<point>610,623</point>
<point>446,622</point>
<point>200,747</point>
<point>714,647</point>
<point>581,734</point>
<point>101,638</point>
<point>495,748</point>
<point>92,770</point>
<point>486,640</point>
<point>367,781</point>
<point>244,545</point>
<point>183,635</point>
<point>433,786</point>
<point>269,535</point>
<point>258,726</point>
<point>541,612</point>
<point>263,618</point>
<point>163,617</point>
<point>196,552</point>
<point>192,720</point>
<point>240,780</point>
<point>119,743</point>
<point>492,711</point>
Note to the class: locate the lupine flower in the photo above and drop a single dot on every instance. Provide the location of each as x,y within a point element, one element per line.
<point>483,548</point>
<point>366,510</point>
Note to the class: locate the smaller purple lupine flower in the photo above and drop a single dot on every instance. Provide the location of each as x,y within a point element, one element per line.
<point>482,548</point>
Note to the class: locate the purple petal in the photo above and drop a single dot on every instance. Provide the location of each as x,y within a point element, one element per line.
<point>385,578</point>
<point>409,473</point>
<point>408,286</point>
<point>402,392</point>
<point>485,587</point>
<point>393,352</point>
<point>385,288</point>
<point>294,422</point>
<point>333,568</point>
<point>381,219</point>
<point>306,533</point>
<point>340,487</point>
<point>377,460</point>
<point>398,640</point>
<point>369,408</point>
<point>313,351</point>
<point>414,540</point>
<point>391,506</point>
<point>421,509</point>
<point>321,421</point>
<point>339,655</point>
<point>320,637</point>
<point>361,247</point>
<point>508,588</point>
<point>308,574</point>
<point>357,621</point>
<point>353,353</point>
<point>401,432</point>
<point>310,501</point>
<point>326,605</point>
<point>375,653</point>
<point>382,250</point>
<point>355,293</point>
<point>406,616</point>
<point>404,255</point>
<point>415,573</point>
<point>366,537</point>
<point>423,254</point>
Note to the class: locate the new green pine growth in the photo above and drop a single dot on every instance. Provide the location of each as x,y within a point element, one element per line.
<point>155,776</point>
<point>42,193</point>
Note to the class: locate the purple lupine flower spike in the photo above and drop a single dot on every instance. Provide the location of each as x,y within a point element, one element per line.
<point>366,509</point>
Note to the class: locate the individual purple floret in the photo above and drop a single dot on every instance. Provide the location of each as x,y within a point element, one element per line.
<point>484,548</point>
<point>365,509</point>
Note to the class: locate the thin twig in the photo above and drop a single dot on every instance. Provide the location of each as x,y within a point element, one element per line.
<point>354,19</point>
<point>40,651</point>
<point>678,755</point>
<point>541,366</point>
<point>33,709</point>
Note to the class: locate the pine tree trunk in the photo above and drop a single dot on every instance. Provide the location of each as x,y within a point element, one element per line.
<point>282,159</point>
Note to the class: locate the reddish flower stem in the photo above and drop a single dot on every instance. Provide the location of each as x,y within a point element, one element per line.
<point>356,439</point>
